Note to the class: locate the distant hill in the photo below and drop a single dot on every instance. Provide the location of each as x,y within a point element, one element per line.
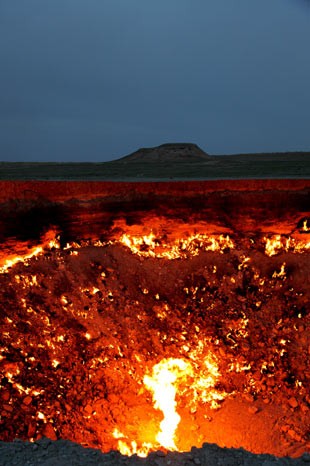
<point>174,161</point>
<point>172,153</point>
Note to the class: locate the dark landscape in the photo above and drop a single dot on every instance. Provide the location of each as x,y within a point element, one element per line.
<point>168,161</point>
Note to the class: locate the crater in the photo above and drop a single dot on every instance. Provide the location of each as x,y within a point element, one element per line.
<point>146,316</point>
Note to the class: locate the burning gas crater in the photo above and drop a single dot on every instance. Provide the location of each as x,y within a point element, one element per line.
<point>150,316</point>
<point>158,340</point>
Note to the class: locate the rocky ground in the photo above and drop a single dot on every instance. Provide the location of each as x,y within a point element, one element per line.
<point>45,452</point>
<point>80,332</point>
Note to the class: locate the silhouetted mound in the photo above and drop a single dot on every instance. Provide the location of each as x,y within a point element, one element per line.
<point>172,152</point>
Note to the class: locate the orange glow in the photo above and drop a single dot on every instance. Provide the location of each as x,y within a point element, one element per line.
<point>48,241</point>
<point>163,383</point>
<point>150,246</point>
<point>281,273</point>
<point>13,260</point>
<point>152,346</point>
<point>129,448</point>
<point>170,381</point>
<point>205,374</point>
<point>305,226</point>
<point>278,243</point>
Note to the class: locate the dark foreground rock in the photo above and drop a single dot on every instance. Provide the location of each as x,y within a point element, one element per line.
<point>45,452</point>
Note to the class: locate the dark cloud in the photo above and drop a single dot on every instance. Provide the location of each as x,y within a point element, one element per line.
<point>95,80</point>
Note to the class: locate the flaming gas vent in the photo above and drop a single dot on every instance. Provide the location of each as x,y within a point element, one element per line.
<point>156,316</point>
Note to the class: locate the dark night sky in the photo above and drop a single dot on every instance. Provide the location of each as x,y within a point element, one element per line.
<point>94,80</point>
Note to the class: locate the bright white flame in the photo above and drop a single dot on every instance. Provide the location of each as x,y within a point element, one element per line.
<point>130,448</point>
<point>165,377</point>
<point>277,243</point>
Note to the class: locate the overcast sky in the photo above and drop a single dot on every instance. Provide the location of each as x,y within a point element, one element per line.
<point>93,80</point>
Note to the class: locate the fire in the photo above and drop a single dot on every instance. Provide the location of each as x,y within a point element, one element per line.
<point>48,241</point>
<point>280,274</point>
<point>15,259</point>
<point>150,246</point>
<point>205,375</point>
<point>277,243</point>
<point>76,324</point>
<point>182,248</point>
<point>305,226</point>
<point>192,380</point>
<point>130,448</point>
<point>164,381</point>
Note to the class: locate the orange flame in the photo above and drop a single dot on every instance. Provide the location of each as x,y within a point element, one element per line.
<point>305,226</point>
<point>49,240</point>
<point>150,246</point>
<point>129,448</point>
<point>163,383</point>
<point>167,383</point>
<point>277,243</point>
<point>281,273</point>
